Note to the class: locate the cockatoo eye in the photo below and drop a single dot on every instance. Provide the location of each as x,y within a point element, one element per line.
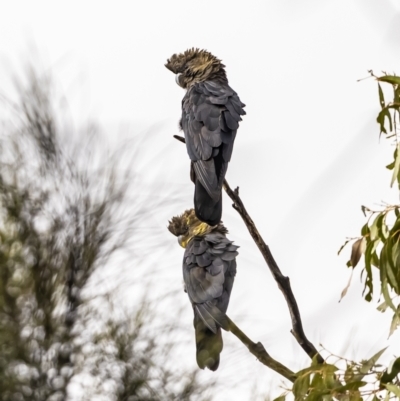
<point>177,78</point>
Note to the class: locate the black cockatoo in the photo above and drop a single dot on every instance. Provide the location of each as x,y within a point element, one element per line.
<point>211,111</point>
<point>209,269</point>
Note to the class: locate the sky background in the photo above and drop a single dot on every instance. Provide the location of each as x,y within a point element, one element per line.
<point>307,154</point>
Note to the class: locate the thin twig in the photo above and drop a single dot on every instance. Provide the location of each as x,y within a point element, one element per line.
<point>258,350</point>
<point>282,281</point>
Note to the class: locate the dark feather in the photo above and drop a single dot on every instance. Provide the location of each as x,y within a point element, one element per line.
<point>207,209</point>
<point>209,268</point>
<point>208,345</point>
<point>211,113</point>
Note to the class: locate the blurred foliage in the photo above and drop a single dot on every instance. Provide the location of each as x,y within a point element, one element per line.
<point>61,221</point>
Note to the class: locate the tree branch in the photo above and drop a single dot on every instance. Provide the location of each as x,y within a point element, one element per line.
<point>282,281</point>
<point>258,350</point>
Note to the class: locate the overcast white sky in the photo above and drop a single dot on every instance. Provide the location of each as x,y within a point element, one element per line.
<point>307,154</point>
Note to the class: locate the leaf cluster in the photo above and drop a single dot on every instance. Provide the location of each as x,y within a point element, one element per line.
<point>388,116</point>
<point>345,380</point>
<point>379,242</point>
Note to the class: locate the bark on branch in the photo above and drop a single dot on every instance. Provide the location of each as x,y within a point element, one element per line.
<point>258,350</point>
<point>282,281</point>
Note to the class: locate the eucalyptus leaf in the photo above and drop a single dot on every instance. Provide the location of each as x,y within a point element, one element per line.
<point>390,166</point>
<point>391,79</point>
<point>396,168</point>
<point>365,230</point>
<point>393,389</point>
<point>394,324</point>
<point>368,279</point>
<point>383,229</point>
<point>388,264</point>
<point>392,371</point>
<point>381,97</point>
<point>357,250</point>
<point>301,386</point>
<point>385,291</point>
<point>367,365</point>
<point>345,289</point>
<point>381,121</point>
<point>375,227</point>
<point>351,386</point>
<point>382,307</point>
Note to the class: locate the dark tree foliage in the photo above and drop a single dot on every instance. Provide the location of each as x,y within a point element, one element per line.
<point>66,210</point>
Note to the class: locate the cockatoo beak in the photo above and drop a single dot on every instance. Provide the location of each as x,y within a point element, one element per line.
<point>177,78</point>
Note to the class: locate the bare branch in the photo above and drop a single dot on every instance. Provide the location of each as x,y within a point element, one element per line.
<point>282,281</point>
<point>258,350</point>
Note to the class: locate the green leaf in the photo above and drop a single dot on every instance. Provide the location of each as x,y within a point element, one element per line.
<point>394,324</point>
<point>368,279</point>
<point>367,365</point>
<point>385,113</point>
<point>317,382</point>
<point>328,374</point>
<point>393,389</point>
<point>390,166</point>
<point>391,79</point>
<point>385,291</point>
<point>381,97</point>
<point>375,260</point>
<point>349,373</point>
<point>392,371</point>
<point>357,250</point>
<point>396,168</point>
<point>327,368</point>
<point>376,226</point>
<point>395,230</point>
<point>280,398</point>
<point>382,307</point>
<point>351,386</point>
<point>383,229</point>
<point>388,264</point>
<point>365,230</point>
<point>381,120</point>
<point>301,386</point>
<point>396,94</point>
<point>345,289</point>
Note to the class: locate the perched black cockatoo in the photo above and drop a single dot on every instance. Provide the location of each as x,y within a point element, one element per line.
<point>211,111</point>
<point>209,269</point>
